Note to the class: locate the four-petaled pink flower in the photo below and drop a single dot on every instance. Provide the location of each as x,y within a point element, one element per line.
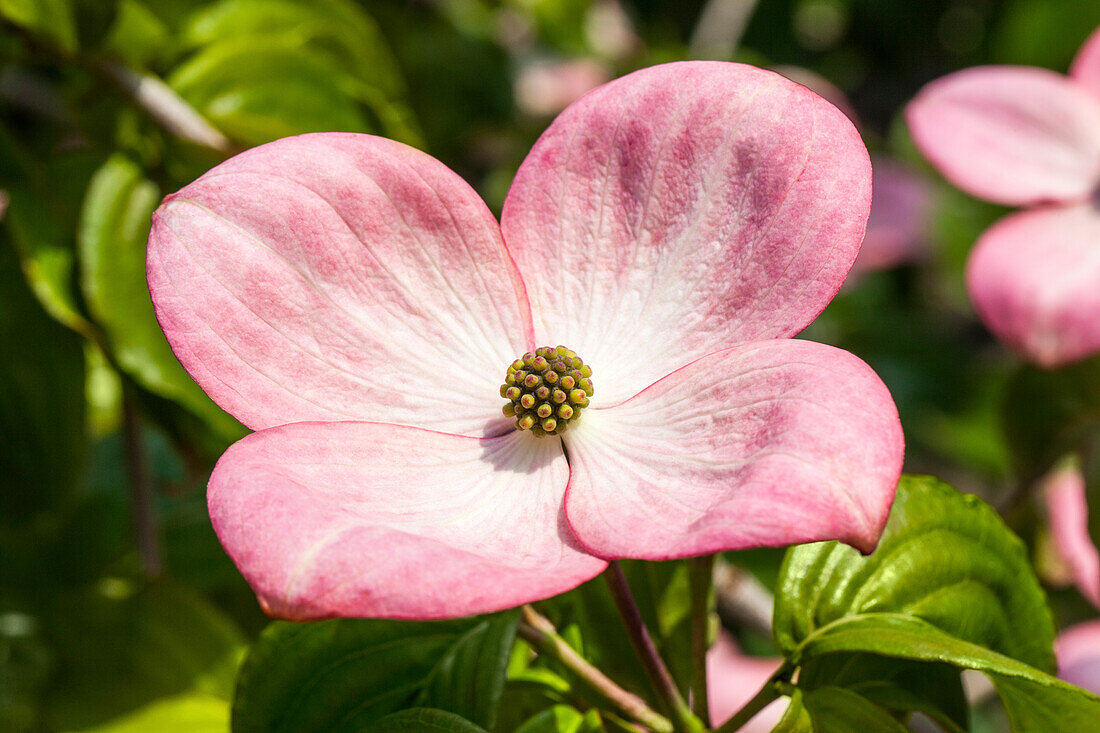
<point>354,302</point>
<point>1024,136</point>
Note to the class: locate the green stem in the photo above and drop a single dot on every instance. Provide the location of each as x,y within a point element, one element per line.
<point>141,492</point>
<point>537,630</point>
<point>665,686</point>
<point>701,580</point>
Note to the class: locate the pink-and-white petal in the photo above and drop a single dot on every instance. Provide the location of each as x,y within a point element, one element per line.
<point>766,444</point>
<point>1068,511</point>
<point>339,277</point>
<point>1085,69</point>
<point>1078,652</point>
<point>682,209</point>
<point>1034,278</point>
<point>367,519</point>
<point>733,679</point>
<point>1010,134</point>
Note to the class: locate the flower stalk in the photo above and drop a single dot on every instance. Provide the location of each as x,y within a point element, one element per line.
<point>682,717</point>
<point>701,582</point>
<point>540,633</point>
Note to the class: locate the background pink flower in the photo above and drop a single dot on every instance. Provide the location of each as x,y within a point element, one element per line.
<point>1028,137</point>
<point>355,303</point>
<point>1078,652</point>
<point>734,678</point>
<point>1067,508</point>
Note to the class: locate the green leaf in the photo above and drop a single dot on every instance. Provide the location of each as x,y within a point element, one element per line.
<point>423,720</point>
<point>837,710</point>
<point>114,229</point>
<point>563,719</point>
<point>336,29</point>
<point>945,557</point>
<point>256,90</point>
<point>587,618</point>
<point>122,646</point>
<point>1050,413</point>
<point>42,440</point>
<point>50,20</point>
<point>341,675</point>
<point>40,218</point>
<point>186,713</point>
<point>138,37</point>
<point>796,718</point>
<point>898,685</point>
<point>1034,700</point>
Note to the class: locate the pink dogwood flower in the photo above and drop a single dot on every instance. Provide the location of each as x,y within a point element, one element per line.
<point>356,304</point>
<point>1029,137</point>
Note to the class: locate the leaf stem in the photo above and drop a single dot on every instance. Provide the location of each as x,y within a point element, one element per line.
<point>141,494</point>
<point>168,109</point>
<point>682,717</point>
<point>537,630</point>
<point>701,581</point>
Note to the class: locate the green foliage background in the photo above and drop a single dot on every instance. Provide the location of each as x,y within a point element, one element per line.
<point>118,609</point>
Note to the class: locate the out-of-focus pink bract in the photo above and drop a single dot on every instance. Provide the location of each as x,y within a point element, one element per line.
<point>1023,136</point>
<point>1067,509</point>
<point>733,678</point>
<point>354,302</point>
<point>1078,651</point>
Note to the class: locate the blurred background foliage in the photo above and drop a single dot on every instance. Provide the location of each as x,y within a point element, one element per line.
<point>118,609</point>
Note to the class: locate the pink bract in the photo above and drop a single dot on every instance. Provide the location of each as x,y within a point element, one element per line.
<point>733,678</point>
<point>1067,508</point>
<point>1078,652</point>
<point>1027,137</point>
<point>354,302</point>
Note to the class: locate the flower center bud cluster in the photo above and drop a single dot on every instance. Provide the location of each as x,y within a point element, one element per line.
<point>546,389</point>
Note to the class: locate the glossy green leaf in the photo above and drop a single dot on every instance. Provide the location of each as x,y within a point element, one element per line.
<point>336,29</point>
<point>114,229</point>
<point>187,713</point>
<point>1049,413</point>
<point>42,440</point>
<point>50,20</point>
<point>892,684</point>
<point>1034,700</point>
<point>259,89</point>
<point>945,557</point>
<point>796,718</point>
<point>423,720</point>
<point>838,710</point>
<point>344,674</point>
<point>122,646</point>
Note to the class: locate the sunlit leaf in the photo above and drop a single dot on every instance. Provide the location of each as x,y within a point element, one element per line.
<point>51,20</point>
<point>114,228</point>
<point>344,674</point>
